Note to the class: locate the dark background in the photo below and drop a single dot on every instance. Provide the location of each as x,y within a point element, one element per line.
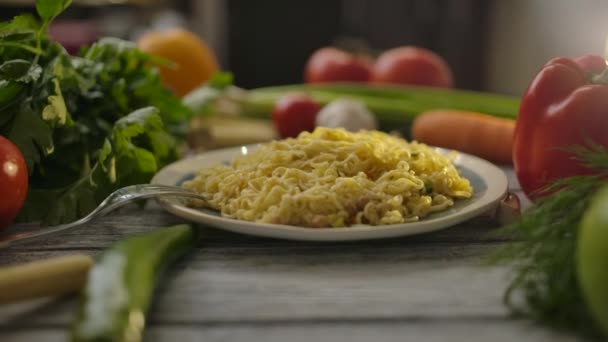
<point>267,42</point>
<point>270,40</point>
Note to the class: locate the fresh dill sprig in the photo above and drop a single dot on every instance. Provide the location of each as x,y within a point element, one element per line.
<point>544,286</point>
<point>593,155</point>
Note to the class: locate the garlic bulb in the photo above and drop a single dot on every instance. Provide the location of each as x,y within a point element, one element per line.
<point>348,114</point>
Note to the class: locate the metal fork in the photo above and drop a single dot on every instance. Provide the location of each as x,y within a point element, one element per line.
<point>116,199</point>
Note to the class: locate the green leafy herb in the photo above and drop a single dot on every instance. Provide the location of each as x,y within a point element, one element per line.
<point>123,159</point>
<point>34,105</point>
<point>545,286</point>
<point>85,124</point>
<point>20,70</point>
<point>20,27</point>
<point>49,9</point>
<point>592,155</point>
<point>31,134</point>
<point>119,69</point>
<point>207,99</point>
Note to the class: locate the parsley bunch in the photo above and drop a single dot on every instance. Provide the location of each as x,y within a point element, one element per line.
<point>87,124</point>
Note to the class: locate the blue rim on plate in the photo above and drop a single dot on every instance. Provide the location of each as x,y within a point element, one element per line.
<point>489,182</point>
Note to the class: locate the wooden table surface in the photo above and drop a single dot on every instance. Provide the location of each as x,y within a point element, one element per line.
<point>431,287</point>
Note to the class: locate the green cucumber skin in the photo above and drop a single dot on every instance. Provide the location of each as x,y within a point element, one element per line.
<point>592,258</point>
<point>395,107</point>
<point>389,101</point>
<point>121,284</point>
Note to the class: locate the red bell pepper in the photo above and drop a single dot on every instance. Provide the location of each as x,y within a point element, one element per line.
<point>565,105</point>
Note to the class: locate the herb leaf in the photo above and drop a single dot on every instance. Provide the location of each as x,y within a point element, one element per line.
<point>593,155</point>
<point>122,160</point>
<point>543,260</point>
<point>77,119</point>
<point>20,70</point>
<point>9,91</point>
<point>49,9</point>
<point>55,111</point>
<point>32,135</point>
<point>136,163</point>
<point>20,27</point>
<point>124,72</point>
<point>204,99</point>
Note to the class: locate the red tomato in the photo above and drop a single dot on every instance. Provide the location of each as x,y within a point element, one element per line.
<point>329,64</point>
<point>294,113</point>
<point>13,181</point>
<point>412,66</point>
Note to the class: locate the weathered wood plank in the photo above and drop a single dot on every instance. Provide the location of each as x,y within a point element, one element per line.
<point>348,331</point>
<point>114,227</point>
<point>236,287</point>
<point>315,282</point>
<point>333,284</point>
<point>431,331</point>
<point>433,242</point>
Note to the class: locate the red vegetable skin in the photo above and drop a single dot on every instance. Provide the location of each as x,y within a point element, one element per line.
<point>333,65</point>
<point>566,104</point>
<point>13,181</point>
<point>410,65</point>
<point>294,113</point>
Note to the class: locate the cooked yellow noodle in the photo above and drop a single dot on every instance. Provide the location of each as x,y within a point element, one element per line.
<point>333,178</point>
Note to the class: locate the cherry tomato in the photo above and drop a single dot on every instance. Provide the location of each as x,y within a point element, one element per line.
<point>329,64</point>
<point>294,113</point>
<point>412,65</point>
<point>13,181</point>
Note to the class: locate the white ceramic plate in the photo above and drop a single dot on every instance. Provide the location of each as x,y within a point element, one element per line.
<point>489,183</point>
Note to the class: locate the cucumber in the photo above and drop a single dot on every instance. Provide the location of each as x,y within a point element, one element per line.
<point>409,98</point>
<point>592,258</point>
<point>395,107</point>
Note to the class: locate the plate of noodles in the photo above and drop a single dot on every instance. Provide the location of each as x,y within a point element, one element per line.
<point>333,185</point>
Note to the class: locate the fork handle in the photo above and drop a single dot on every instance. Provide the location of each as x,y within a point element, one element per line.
<point>10,239</point>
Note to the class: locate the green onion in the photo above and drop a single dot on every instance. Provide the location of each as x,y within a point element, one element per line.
<point>394,106</point>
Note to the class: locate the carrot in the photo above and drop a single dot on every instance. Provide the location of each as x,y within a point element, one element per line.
<point>479,134</point>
